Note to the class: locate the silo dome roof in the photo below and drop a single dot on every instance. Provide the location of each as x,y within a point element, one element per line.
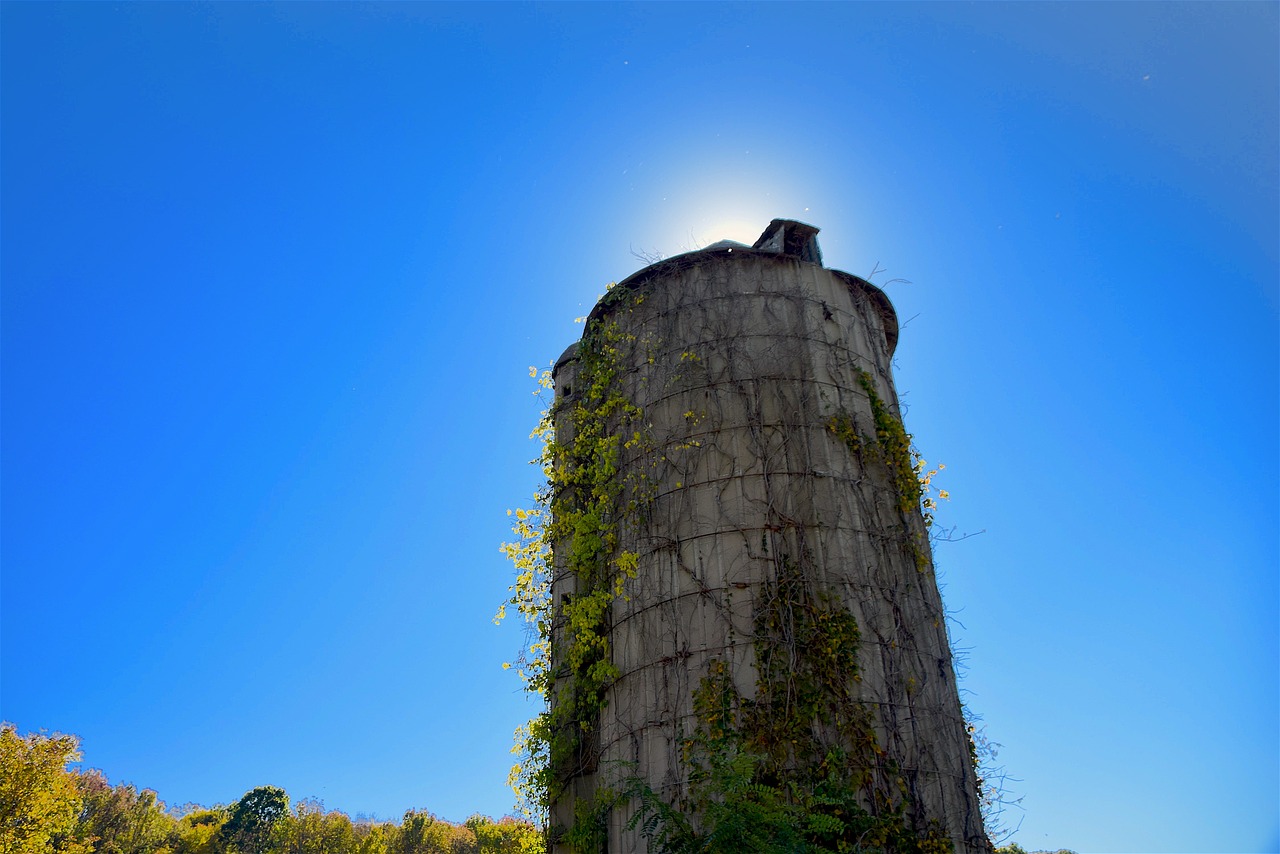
<point>727,244</point>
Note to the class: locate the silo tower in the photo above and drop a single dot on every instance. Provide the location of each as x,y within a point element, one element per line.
<point>746,623</point>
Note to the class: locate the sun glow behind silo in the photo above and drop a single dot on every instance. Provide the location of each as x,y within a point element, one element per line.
<point>711,195</point>
<point>696,188</point>
<point>732,207</point>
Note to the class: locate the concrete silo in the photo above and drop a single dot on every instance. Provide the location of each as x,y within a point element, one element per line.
<point>744,603</point>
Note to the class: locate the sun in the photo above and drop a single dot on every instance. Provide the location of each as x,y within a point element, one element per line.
<point>716,194</point>
<point>737,228</point>
<point>735,208</point>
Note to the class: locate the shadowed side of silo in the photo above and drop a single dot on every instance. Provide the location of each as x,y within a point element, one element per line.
<point>744,598</point>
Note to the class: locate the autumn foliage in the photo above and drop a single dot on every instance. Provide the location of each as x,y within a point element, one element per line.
<point>47,807</point>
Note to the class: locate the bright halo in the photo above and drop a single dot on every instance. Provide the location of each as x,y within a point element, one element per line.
<point>742,230</point>
<point>736,208</point>
<point>712,195</point>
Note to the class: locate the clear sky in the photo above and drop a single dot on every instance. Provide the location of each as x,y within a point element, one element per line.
<point>273,276</point>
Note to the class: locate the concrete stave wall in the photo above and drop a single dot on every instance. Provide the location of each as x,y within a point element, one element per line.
<point>737,364</point>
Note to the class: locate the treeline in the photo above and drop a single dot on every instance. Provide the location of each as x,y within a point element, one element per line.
<point>46,807</point>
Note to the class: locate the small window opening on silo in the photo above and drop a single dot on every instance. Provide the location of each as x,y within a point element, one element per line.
<point>789,237</point>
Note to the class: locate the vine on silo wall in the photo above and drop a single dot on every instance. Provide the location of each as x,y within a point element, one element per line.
<point>587,499</point>
<point>892,446</point>
<point>795,768</point>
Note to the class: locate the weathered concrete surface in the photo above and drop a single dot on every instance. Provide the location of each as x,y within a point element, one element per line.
<point>738,359</point>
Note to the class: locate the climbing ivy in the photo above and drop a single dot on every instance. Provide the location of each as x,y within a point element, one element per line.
<point>894,443</point>
<point>791,768</point>
<point>586,501</point>
<point>587,512</point>
<point>530,553</point>
<point>892,446</point>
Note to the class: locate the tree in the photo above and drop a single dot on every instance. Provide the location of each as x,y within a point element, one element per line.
<point>376,838</point>
<point>507,836</point>
<point>39,801</point>
<point>310,830</point>
<point>199,832</point>
<point>251,819</point>
<point>423,833</point>
<point>120,819</point>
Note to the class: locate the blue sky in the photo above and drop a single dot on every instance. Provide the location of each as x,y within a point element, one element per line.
<point>272,277</point>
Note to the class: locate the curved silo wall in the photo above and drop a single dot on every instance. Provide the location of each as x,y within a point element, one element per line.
<point>757,476</point>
